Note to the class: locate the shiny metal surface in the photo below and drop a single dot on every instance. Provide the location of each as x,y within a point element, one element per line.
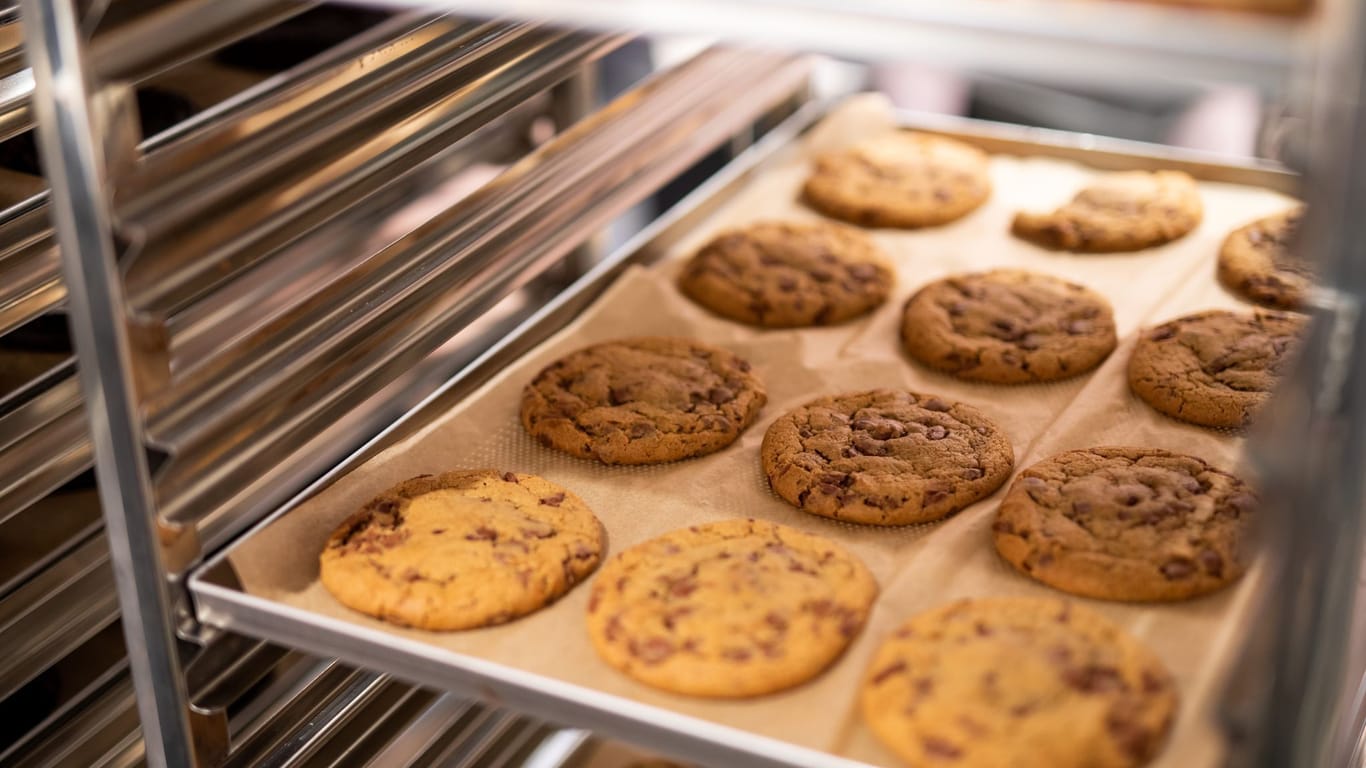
<point>234,436</point>
<point>44,439</point>
<point>72,152</point>
<point>30,271</point>
<point>221,603</point>
<point>102,729</point>
<point>1067,40</point>
<point>168,32</point>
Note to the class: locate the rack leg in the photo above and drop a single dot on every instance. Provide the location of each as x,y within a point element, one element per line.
<point>75,157</point>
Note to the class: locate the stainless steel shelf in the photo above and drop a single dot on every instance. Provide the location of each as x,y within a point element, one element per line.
<point>1077,40</point>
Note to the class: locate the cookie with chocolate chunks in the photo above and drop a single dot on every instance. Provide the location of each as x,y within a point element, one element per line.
<point>885,457</point>
<point>1135,524</point>
<point>1023,682</point>
<point>1126,211</point>
<point>461,550</point>
<point>1213,368</point>
<point>642,401</point>
<point>1008,326</point>
<point>788,274</point>
<point>901,179</point>
<point>1256,262</point>
<point>730,609</point>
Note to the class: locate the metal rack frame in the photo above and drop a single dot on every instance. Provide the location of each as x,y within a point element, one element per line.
<point>214,393</point>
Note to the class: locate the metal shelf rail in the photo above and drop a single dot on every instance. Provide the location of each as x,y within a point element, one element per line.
<point>1068,40</point>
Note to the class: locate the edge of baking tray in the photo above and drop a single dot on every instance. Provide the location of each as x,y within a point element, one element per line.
<point>220,602</point>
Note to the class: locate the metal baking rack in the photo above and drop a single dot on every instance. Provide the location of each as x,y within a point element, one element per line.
<point>259,290</point>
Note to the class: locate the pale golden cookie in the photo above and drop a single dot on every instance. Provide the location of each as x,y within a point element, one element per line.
<point>461,550</point>
<point>900,179</point>
<point>730,609</point>
<point>1019,682</point>
<point>1126,211</point>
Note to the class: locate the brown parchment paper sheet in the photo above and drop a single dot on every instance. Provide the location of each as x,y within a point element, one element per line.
<point>918,568</point>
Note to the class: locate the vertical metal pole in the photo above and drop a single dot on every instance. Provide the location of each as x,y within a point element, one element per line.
<point>73,157</point>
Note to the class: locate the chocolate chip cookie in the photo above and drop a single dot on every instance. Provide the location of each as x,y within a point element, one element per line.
<point>1126,211</point>
<point>1138,524</point>
<point>642,401</point>
<point>786,275</point>
<point>729,609</point>
<point>885,457</point>
<point>1213,368</point>
<point>1020,682</point>
<point>461,550</point>
<point>1256,262</point>
<point>901,179</point>
<point>1008,326</point>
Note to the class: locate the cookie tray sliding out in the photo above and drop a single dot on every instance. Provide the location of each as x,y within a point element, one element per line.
<point>265,583</point>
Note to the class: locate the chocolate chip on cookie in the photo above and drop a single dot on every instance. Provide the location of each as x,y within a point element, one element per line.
<point>784,275</point>
<point>461,550</point>
<point>885,457</point>
<point>1256,262</point>
<point>642,401</point>
<point>1213,368</point>
<point>1137,524</point>
<point>1126,211</point>
<point>1008,326</point>
<point>900,179</point>
<point>1024,682</point>
<point>729,609</point>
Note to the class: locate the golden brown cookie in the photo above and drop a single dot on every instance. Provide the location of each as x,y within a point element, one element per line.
<point>729,609</point>
<point>885,457</point>
<point>1020,682</point>
<point>1008,326</point>
<point>642,401</point>
<point>1213,368</point>
<point>1256,262</point>
<point>1138,524</point>
<point>461,550</point>
<point>785,275</point>
<point>901,179</point>
<point>1126,211</point>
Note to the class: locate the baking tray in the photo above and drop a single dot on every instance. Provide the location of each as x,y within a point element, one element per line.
<point>221,600</point>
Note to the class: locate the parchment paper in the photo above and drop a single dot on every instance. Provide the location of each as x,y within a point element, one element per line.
<point>917,567</point>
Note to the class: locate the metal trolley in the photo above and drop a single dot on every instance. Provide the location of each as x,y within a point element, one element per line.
<point>258,292</point>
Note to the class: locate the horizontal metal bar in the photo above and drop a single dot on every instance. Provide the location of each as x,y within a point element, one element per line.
<point>234,425</point>
<point>104,726</point>
<point>30,267</point>
<point>322,699</point>
<point>45,532</point>
<point>167,33</point>
<point>427,734</point>
<point>1130,43</point>
<point>54,613</point>
<point>364,125</point>
<point>44,442</point>
<point>227,668</point>
<point>367,729</point>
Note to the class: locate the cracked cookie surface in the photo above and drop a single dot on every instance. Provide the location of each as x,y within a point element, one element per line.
<point>461,550</point>
<point>1021,682</point>
<point>642,401</point>
<point>1213,368</point>
<point>786,275</point>
<point>1136,524</point>
<point>729,609</point>
<point>901,179</point>
<point>885,457</point>
<point>1256,263</point>
<point>1126,211</point>
<point>1008,326</point>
